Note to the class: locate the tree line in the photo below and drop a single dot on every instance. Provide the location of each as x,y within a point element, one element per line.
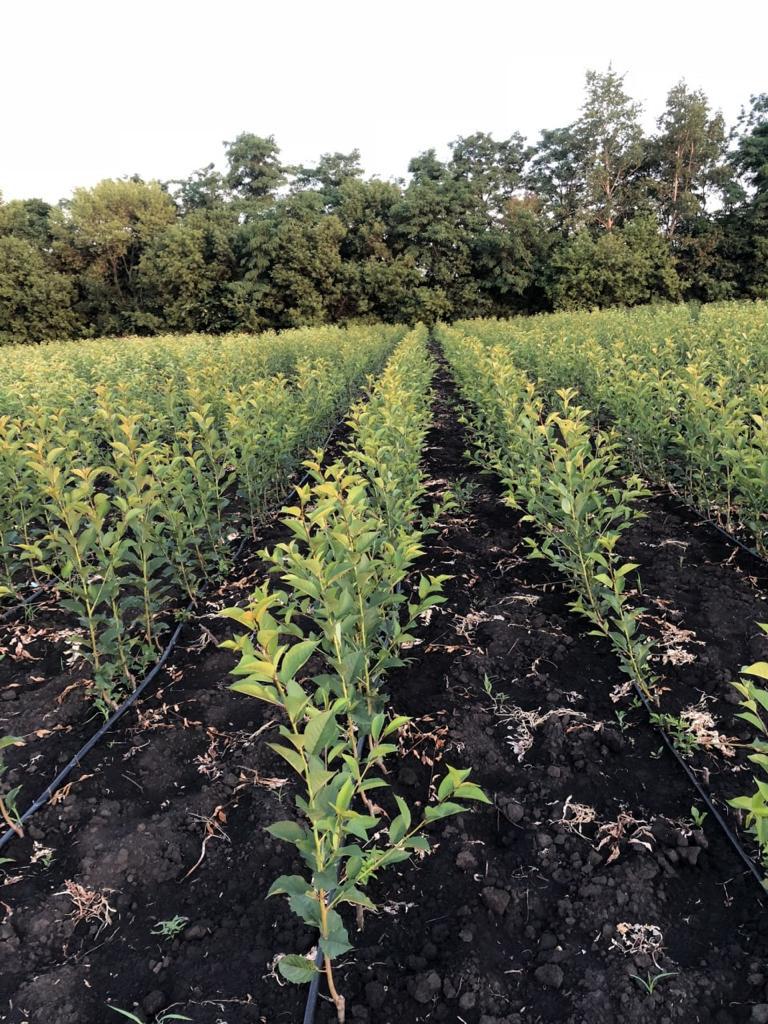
<point>594,214</point>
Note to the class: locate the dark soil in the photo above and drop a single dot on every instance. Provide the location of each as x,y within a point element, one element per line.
<point>525,910</point>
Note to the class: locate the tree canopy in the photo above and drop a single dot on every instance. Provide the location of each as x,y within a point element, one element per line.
<point>594,213</point>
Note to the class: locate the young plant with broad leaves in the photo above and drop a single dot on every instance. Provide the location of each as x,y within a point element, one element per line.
<point>753,690</point>
<point>565,476</point>
<point>9,794</point>
<point>319,647</point>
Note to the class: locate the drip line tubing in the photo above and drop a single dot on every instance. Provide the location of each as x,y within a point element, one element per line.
<point>25,602</point>
<point>726,534</point>
<point>51,788</point>
<point>704,795</point>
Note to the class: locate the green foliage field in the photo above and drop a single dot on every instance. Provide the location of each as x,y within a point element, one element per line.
<point>128,467</point>
<point>686,389</point>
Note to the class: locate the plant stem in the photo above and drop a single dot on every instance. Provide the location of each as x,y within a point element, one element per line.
<point>9,821</point>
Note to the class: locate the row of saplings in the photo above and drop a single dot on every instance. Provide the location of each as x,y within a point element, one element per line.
<point>319,647</point>
<point>566,475</point>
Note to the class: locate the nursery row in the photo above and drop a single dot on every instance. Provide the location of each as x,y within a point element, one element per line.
<point>127,503</point>
<point>341,599</point>
<point>686,390</point>
<point>565,474</point>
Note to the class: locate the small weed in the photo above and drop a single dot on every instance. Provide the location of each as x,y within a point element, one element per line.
<point>8,797</point>
<point>679,731</point>
<point>649,984</point>
<point>158,1020</point>
<point>697,817</point>
<point>170,928</point>
<point>463,493</point>
<point>498,700</point>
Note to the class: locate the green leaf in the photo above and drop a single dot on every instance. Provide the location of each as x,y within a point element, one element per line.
<point>744,803</point>
<point>291,885</point>
<point>295,659</point>
<point>380,750</point>
<point>759,669</point>
<point>126,1013</point>
<point>261,670</point>
<point>336,941</point>
<point>397,829</point>
<point>295,699</point>
<point>288,831</point>
<point>307,908</point>
<point>374,784</point>
<point>265,693</point>
<point>418,843</point>
<point>469,791</point>
<point>304,586</point>
<point>394,725</point>
<point>401,823</point>
<point>296,969</point>
<point>437,811</point>
<point>356,897</point>
<point>293,758</point>
<point>327,879</point>
<point>446,787</point>
<point>313,734</point>
<point>752,719</point>
<point>358,825</point>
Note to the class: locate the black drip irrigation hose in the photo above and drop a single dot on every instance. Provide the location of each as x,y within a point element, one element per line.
<point>707,799</point>
<point>314,987</point>
<point>25,602</point>
<point>51,788</point>
<point>735,540</point>
<point>705,520</point>
<point>730,835</point>
<point>48,792</point>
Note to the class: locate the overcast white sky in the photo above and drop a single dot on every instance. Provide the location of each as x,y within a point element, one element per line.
<point>99,88</point>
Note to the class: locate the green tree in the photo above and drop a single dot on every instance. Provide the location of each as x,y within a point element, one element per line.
<point>379,280</point>
<point>330,173</point>
<point>100,235</point>
<point>685,158</point>
<point>493,169</point>
<point>554,176</point>
<point>289,265</point>
<point>434,225</point>
<point>609,146</point>
<point>510,259</point>
<point>29,219</point>
<point>36,302</point>
<point>254,170</point>
<point>623,267</point>
<point>184,275</point>
<point>204,189</point>
<point>750,157</point>
<point>743,250</point>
